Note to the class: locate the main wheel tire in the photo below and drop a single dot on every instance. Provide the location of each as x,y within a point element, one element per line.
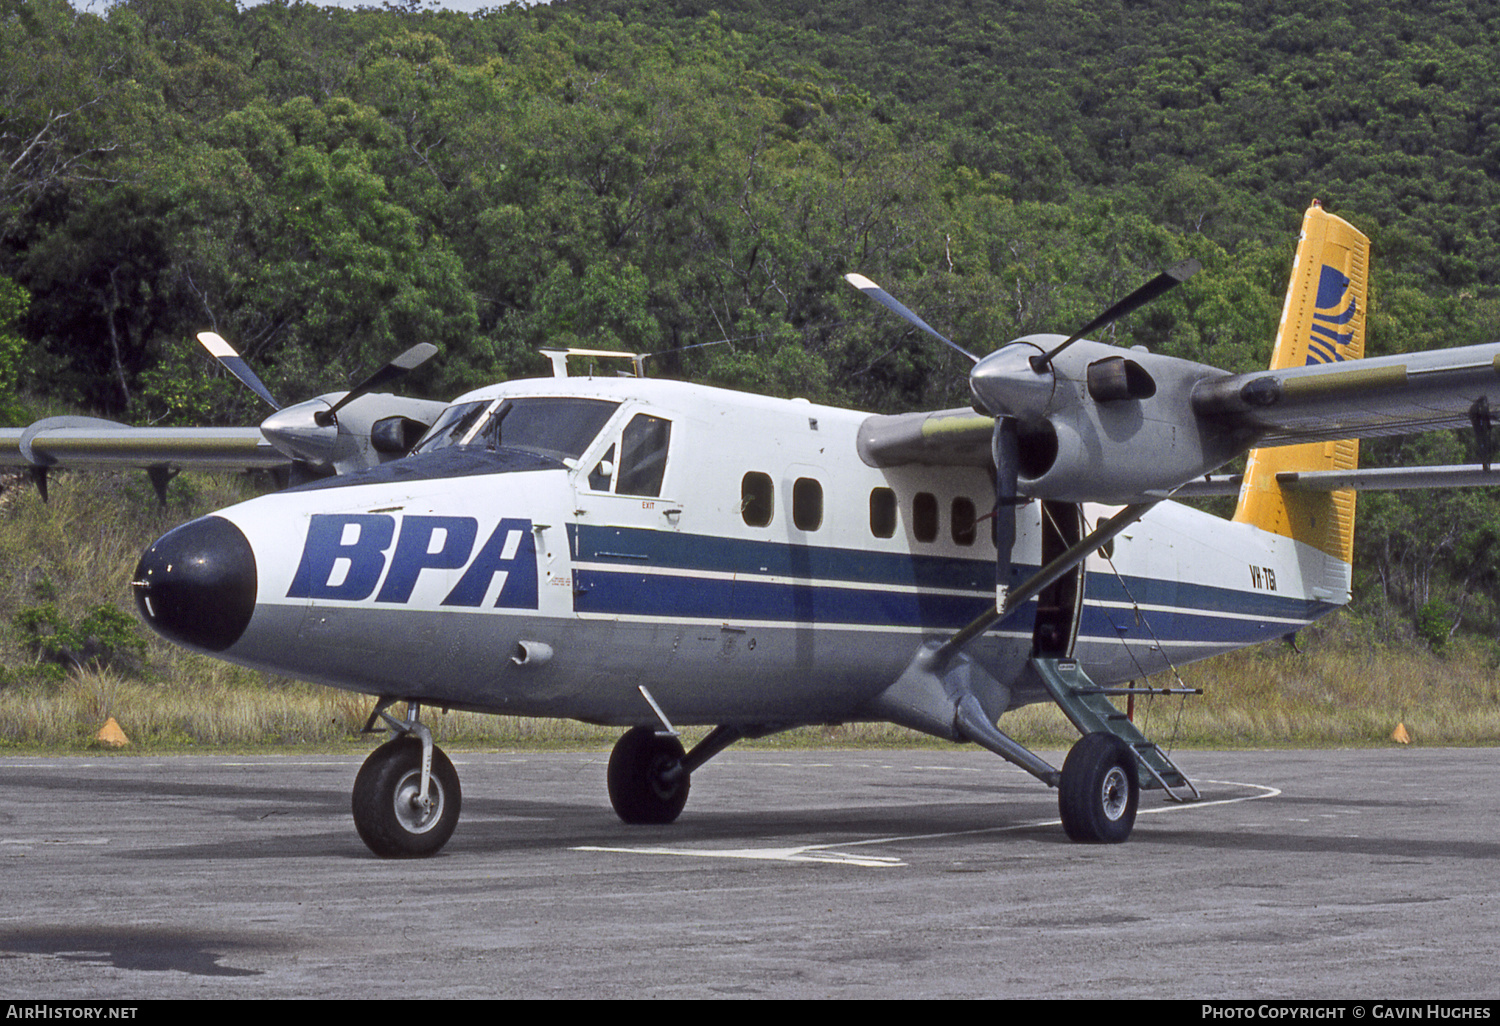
<point>1099,790</point>
<point>387,812</point>
<point>646,782</point>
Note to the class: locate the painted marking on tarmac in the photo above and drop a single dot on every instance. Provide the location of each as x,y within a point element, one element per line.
<point>800,853</point>
<point>20,846</point>
<point>830,853</point>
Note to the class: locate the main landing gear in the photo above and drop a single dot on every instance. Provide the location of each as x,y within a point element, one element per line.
<point>649,774</point>
<point>647,783</point>
<point>1099,790</point>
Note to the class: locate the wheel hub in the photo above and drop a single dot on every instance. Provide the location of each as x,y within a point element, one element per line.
<point>664,776</point>
<point>415,814</point>
<point>1115,793</point>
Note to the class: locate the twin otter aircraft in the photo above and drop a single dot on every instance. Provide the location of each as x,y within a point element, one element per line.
<point>652,553</point>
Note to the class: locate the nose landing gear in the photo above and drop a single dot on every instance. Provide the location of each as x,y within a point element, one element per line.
<point>406,796</point>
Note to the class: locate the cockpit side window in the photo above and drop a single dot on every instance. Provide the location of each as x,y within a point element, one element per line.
<point>603,473</point>
<point>643,455</point>
<point>453,426</point>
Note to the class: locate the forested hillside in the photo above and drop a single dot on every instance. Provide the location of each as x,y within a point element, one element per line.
<point>325,187</point>
<point>1214,118</point>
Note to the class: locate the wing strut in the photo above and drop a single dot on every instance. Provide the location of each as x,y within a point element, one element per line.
<point>1054,570</point>
<point>1482,420</point>
<point>946,693</point>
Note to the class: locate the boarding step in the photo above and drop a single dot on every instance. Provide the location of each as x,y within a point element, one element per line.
<point>1088,706</point>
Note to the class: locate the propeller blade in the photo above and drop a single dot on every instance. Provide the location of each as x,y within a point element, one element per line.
<point>403,364</point>
<point>890,302</point>
<point>1168,279</point>
<point>1006,448</point>
<point>235,364</point>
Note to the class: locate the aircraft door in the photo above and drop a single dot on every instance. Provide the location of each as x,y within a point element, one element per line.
<point>624,486</point>
<point>1061,603</point>
<point>625,550</point>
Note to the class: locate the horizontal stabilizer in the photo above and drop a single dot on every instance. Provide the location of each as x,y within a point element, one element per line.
<point>1391,479</point>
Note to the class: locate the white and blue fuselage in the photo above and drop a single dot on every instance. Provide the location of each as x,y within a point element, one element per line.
<point>557,543</point>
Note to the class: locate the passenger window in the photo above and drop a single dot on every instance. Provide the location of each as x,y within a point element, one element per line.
<point>882,513</point>
<point>643,456</point>
<point>924,517</point>
<point>756,499</point>
<point>807,504</point>
<point>964,522</point>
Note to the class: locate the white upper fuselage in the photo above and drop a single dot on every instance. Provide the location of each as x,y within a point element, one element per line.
<point>729,551</point>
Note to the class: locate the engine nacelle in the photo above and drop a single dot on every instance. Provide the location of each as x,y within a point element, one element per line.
<point>1077,459</point>
<point>1100,424</point>
<point>369,431</point>
<point>1119,428</point>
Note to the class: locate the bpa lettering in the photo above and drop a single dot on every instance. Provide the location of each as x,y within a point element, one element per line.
<point>345,558</point>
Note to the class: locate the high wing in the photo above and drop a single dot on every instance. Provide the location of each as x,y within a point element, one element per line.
<point>369,429</point>
<point>332,434</point>
<point>1392,395</point>
<point>1389,395</point>
<point>90,443</point>
<point>1100,423</point>
<point>961,438</point>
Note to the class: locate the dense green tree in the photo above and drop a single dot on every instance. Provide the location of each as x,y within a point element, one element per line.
<point>13,302</point>
<point>692,180</point>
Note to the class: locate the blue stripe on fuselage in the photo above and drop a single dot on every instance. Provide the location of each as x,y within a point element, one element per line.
<point>780,582</point>
<point>641,593</point>
<point>635,547</point>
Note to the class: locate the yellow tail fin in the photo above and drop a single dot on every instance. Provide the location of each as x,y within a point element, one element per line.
<point>1323,322</point>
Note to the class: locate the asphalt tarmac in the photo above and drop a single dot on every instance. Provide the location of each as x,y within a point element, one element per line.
<point>1349,875</point>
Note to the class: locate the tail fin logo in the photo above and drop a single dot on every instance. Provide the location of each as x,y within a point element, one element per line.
<point>1336,308</point>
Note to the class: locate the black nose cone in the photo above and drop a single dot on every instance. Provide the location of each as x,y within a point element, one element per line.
<point>196,584</point>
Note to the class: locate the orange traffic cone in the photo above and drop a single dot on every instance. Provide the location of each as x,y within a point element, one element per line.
<point>111,734</point>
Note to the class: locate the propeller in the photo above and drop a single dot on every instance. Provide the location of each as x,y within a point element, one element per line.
<point>236,365</point>
<point>1168,279</point>
<point>403,364</point>
<point>1007,454</point>
<point>890,302</point>
<point>1015,385</point>
<point>1018,380</point>
<point>309,432</point>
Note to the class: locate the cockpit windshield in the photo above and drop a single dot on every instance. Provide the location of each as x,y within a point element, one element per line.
<point>559,427</point>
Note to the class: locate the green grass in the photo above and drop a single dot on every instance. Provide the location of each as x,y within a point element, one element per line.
<point>1355,679</point>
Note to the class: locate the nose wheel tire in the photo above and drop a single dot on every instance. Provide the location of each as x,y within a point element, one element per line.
<point>389,812</point>
<point>1099,790</point>
<point>647,783</point>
